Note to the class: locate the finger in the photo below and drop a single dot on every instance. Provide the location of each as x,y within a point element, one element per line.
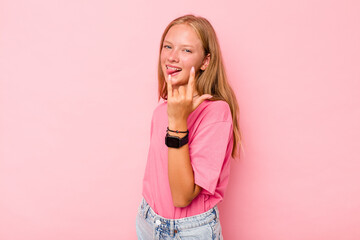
<point>169,87</point>
<point>191,84</point>
<point>175,94</point>
<point>199,100</point>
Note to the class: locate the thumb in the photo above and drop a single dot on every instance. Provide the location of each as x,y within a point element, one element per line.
<point>200,100</point>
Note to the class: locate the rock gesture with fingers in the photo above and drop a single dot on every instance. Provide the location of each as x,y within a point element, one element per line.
<point>181,102</point>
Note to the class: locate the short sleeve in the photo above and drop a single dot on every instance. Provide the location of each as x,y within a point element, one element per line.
<point>208,151</point>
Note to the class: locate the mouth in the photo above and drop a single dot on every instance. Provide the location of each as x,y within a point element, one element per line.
<point>172,70</point>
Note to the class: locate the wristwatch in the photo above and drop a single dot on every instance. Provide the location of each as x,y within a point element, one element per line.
<point>176,142</point>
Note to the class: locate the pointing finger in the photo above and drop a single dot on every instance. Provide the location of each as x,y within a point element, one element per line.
<point>191,83</point>
<point>169,87</point>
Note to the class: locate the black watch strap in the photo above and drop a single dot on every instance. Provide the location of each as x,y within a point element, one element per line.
<point>175,141</point>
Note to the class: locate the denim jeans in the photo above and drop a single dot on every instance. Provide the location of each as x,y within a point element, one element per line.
<point>203,226</point>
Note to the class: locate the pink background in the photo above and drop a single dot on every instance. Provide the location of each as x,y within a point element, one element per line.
<point>78,87</point>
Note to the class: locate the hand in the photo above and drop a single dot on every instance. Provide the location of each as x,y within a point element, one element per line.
<point>180,102</point>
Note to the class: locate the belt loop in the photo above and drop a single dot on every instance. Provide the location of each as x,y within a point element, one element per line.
<point>146,210</point>
<point>216,212</point>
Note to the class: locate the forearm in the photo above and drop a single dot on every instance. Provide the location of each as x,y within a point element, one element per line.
<point>180,171</point>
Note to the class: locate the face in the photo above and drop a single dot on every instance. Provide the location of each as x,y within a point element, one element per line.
<point>182,49</point>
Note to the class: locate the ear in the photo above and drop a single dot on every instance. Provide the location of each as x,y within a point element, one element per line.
<point>205,62</point>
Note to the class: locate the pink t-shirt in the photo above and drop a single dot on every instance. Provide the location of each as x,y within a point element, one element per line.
<point>210,147</point>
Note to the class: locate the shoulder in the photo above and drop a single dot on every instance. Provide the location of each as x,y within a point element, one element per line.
<point>217,110</point>
<point>209,112</point>
<point>217,105</point>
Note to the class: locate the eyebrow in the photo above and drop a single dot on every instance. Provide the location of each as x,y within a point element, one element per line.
<point>184,45</point>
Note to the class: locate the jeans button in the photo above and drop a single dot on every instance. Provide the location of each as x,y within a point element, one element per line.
<point>158,222</point>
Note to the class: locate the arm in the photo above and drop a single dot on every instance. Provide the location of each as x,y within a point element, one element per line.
<point>180,171</point>
<point>180,104</point>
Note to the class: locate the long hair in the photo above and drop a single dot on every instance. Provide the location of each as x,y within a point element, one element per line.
<point>213,79</point>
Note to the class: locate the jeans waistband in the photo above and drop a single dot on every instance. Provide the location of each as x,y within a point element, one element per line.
<point>181,223</point>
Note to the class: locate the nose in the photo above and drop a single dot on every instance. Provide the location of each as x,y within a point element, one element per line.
<point>173,56</point>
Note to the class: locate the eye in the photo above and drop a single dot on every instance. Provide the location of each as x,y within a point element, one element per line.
<point>187,50</point>
<point>167,47</point>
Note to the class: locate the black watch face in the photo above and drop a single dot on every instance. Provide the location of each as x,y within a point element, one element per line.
<point>172,142</point>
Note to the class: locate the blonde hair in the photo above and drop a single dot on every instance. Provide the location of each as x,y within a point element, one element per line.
<point>213,79</point>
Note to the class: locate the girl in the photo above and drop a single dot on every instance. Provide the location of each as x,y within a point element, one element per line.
<point>194,135</point>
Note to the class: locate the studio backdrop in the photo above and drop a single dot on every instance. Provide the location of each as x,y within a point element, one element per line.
<point>78,83</point>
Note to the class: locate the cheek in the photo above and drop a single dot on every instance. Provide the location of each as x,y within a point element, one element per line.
<point>196,62</point>
<point>189,60</point>
<point>162,58</point>
<point>163,55</point>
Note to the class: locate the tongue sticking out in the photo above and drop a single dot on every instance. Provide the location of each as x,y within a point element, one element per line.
<point>172,71</point>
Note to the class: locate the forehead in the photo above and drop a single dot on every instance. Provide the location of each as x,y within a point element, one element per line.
<point>183,34</point>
